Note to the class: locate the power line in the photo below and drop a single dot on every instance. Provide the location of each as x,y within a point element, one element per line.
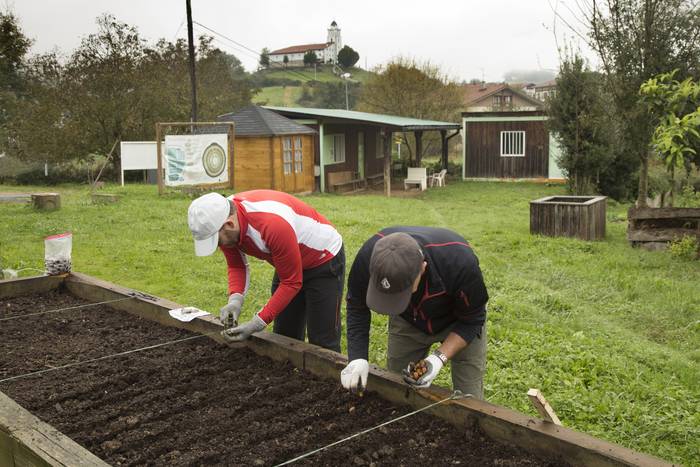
<point>256,53</point>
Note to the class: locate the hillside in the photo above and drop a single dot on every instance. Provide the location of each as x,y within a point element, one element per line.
<point>283,86</point>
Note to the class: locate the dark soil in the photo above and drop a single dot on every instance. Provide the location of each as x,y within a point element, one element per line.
<point>197,402</point>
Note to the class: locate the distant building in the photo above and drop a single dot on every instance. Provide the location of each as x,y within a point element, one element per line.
<point>505,134</point>
<point>326,52</point>
<point>498,97</point>
<point>545,90</point>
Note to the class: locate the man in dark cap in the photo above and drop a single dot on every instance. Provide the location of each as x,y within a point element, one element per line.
<point>429,282</point>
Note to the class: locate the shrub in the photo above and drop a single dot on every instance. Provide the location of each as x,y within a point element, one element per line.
<point>684,248</point>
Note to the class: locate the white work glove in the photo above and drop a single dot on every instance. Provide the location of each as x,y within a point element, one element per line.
<point>434,365</point>
<point>245,330</point>
<point>354,376</point>
<point>229,313</point>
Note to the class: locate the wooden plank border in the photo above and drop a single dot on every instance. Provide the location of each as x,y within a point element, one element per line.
<point>25,440</point>
<point>500,423</point>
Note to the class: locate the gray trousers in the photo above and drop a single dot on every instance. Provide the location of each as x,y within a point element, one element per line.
<point>409,344</point>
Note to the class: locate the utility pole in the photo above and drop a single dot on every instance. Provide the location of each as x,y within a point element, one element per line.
<point>346,77</point>
<point>193,80</point>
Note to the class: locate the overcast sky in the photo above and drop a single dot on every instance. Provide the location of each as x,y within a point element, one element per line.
<point>467,38</point>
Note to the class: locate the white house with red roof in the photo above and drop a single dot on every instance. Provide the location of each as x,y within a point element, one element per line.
<point>326,52</point>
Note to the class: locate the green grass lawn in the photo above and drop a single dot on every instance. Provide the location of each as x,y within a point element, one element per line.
<point>610,334</point>
<point>285,96</point>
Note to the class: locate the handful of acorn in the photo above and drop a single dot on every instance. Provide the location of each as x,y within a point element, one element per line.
<point>417,370</point>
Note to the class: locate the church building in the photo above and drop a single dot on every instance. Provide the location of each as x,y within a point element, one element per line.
<point>326,52</point>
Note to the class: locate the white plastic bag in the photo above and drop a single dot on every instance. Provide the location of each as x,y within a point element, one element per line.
<point>57,253</point>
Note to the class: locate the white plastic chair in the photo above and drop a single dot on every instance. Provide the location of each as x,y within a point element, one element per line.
<point>438,178</point>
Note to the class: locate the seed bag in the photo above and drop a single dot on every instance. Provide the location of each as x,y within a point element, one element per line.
<point>57,253</point>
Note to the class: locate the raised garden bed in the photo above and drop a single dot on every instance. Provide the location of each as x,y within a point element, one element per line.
<point>569,216</point>
<point>654,228</point>
<point>202,402</point>
<point>199,402</point>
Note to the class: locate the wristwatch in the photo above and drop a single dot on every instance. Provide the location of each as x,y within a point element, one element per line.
<point>441,356</point>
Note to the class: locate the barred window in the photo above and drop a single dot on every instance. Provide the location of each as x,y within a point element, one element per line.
<point>512,144</point>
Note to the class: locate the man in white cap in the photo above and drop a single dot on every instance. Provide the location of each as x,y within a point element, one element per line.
<point>304,248</point>
<point>429,282</point>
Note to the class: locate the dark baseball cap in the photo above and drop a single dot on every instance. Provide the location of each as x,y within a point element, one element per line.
<point>395,263</point>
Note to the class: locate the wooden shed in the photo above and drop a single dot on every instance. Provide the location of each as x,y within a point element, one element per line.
<point>356,145</point>
<point>271,151</point>
<point>512,144</point>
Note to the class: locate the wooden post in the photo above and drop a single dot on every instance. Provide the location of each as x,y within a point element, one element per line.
<point>231,136</point>
<point>159,157</point>
<point>542,406</point>
<point>46,201</point>
<point>387,167</point>
<point>419,146</point>
<point>443,138</point>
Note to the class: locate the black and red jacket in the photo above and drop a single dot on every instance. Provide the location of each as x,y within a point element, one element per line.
<point>451,293</point>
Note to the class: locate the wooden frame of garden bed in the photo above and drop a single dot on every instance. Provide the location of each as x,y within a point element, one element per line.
<point>25,440</point>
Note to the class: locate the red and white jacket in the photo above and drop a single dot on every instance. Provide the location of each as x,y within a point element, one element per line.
<point>285,232</point>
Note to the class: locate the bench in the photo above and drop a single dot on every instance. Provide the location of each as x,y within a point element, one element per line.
<point>416,176</point>
<point>376,179</point>
<point>339,181</point>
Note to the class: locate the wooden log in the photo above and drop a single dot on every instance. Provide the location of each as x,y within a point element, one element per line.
<point>104,198</point>
<point>542,406</point>
<point>46,201</point>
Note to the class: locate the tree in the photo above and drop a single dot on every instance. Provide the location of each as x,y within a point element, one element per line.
<point>675,108</point>
<point>310,58</point>
<point>285,60</point>
<point>580,124</point>
<point>406,88</point>
<point>636,40</point>
<point>114,86</point>
<point>264,58</point>
<point>14,46</point>
<point>347,57</point>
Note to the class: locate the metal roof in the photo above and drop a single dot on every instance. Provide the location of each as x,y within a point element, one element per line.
<point>256,121</point>
<point>402,123</point>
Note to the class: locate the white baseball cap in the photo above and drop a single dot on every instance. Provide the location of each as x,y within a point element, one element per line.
<point>205,217</point>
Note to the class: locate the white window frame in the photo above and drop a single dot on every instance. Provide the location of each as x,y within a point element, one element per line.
<point>512,143</point>
<point>336,151</point>
<point>287,152</point>
<point>298,155</point>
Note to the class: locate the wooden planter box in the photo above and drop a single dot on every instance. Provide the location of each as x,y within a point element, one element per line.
<point>654,228</point>
<point>569,216</point>
<point>25,440</point>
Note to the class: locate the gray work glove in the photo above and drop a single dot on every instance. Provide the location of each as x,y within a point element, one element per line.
<point>434,365</point>
<point>244,331</point>
<point>228,314</point>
